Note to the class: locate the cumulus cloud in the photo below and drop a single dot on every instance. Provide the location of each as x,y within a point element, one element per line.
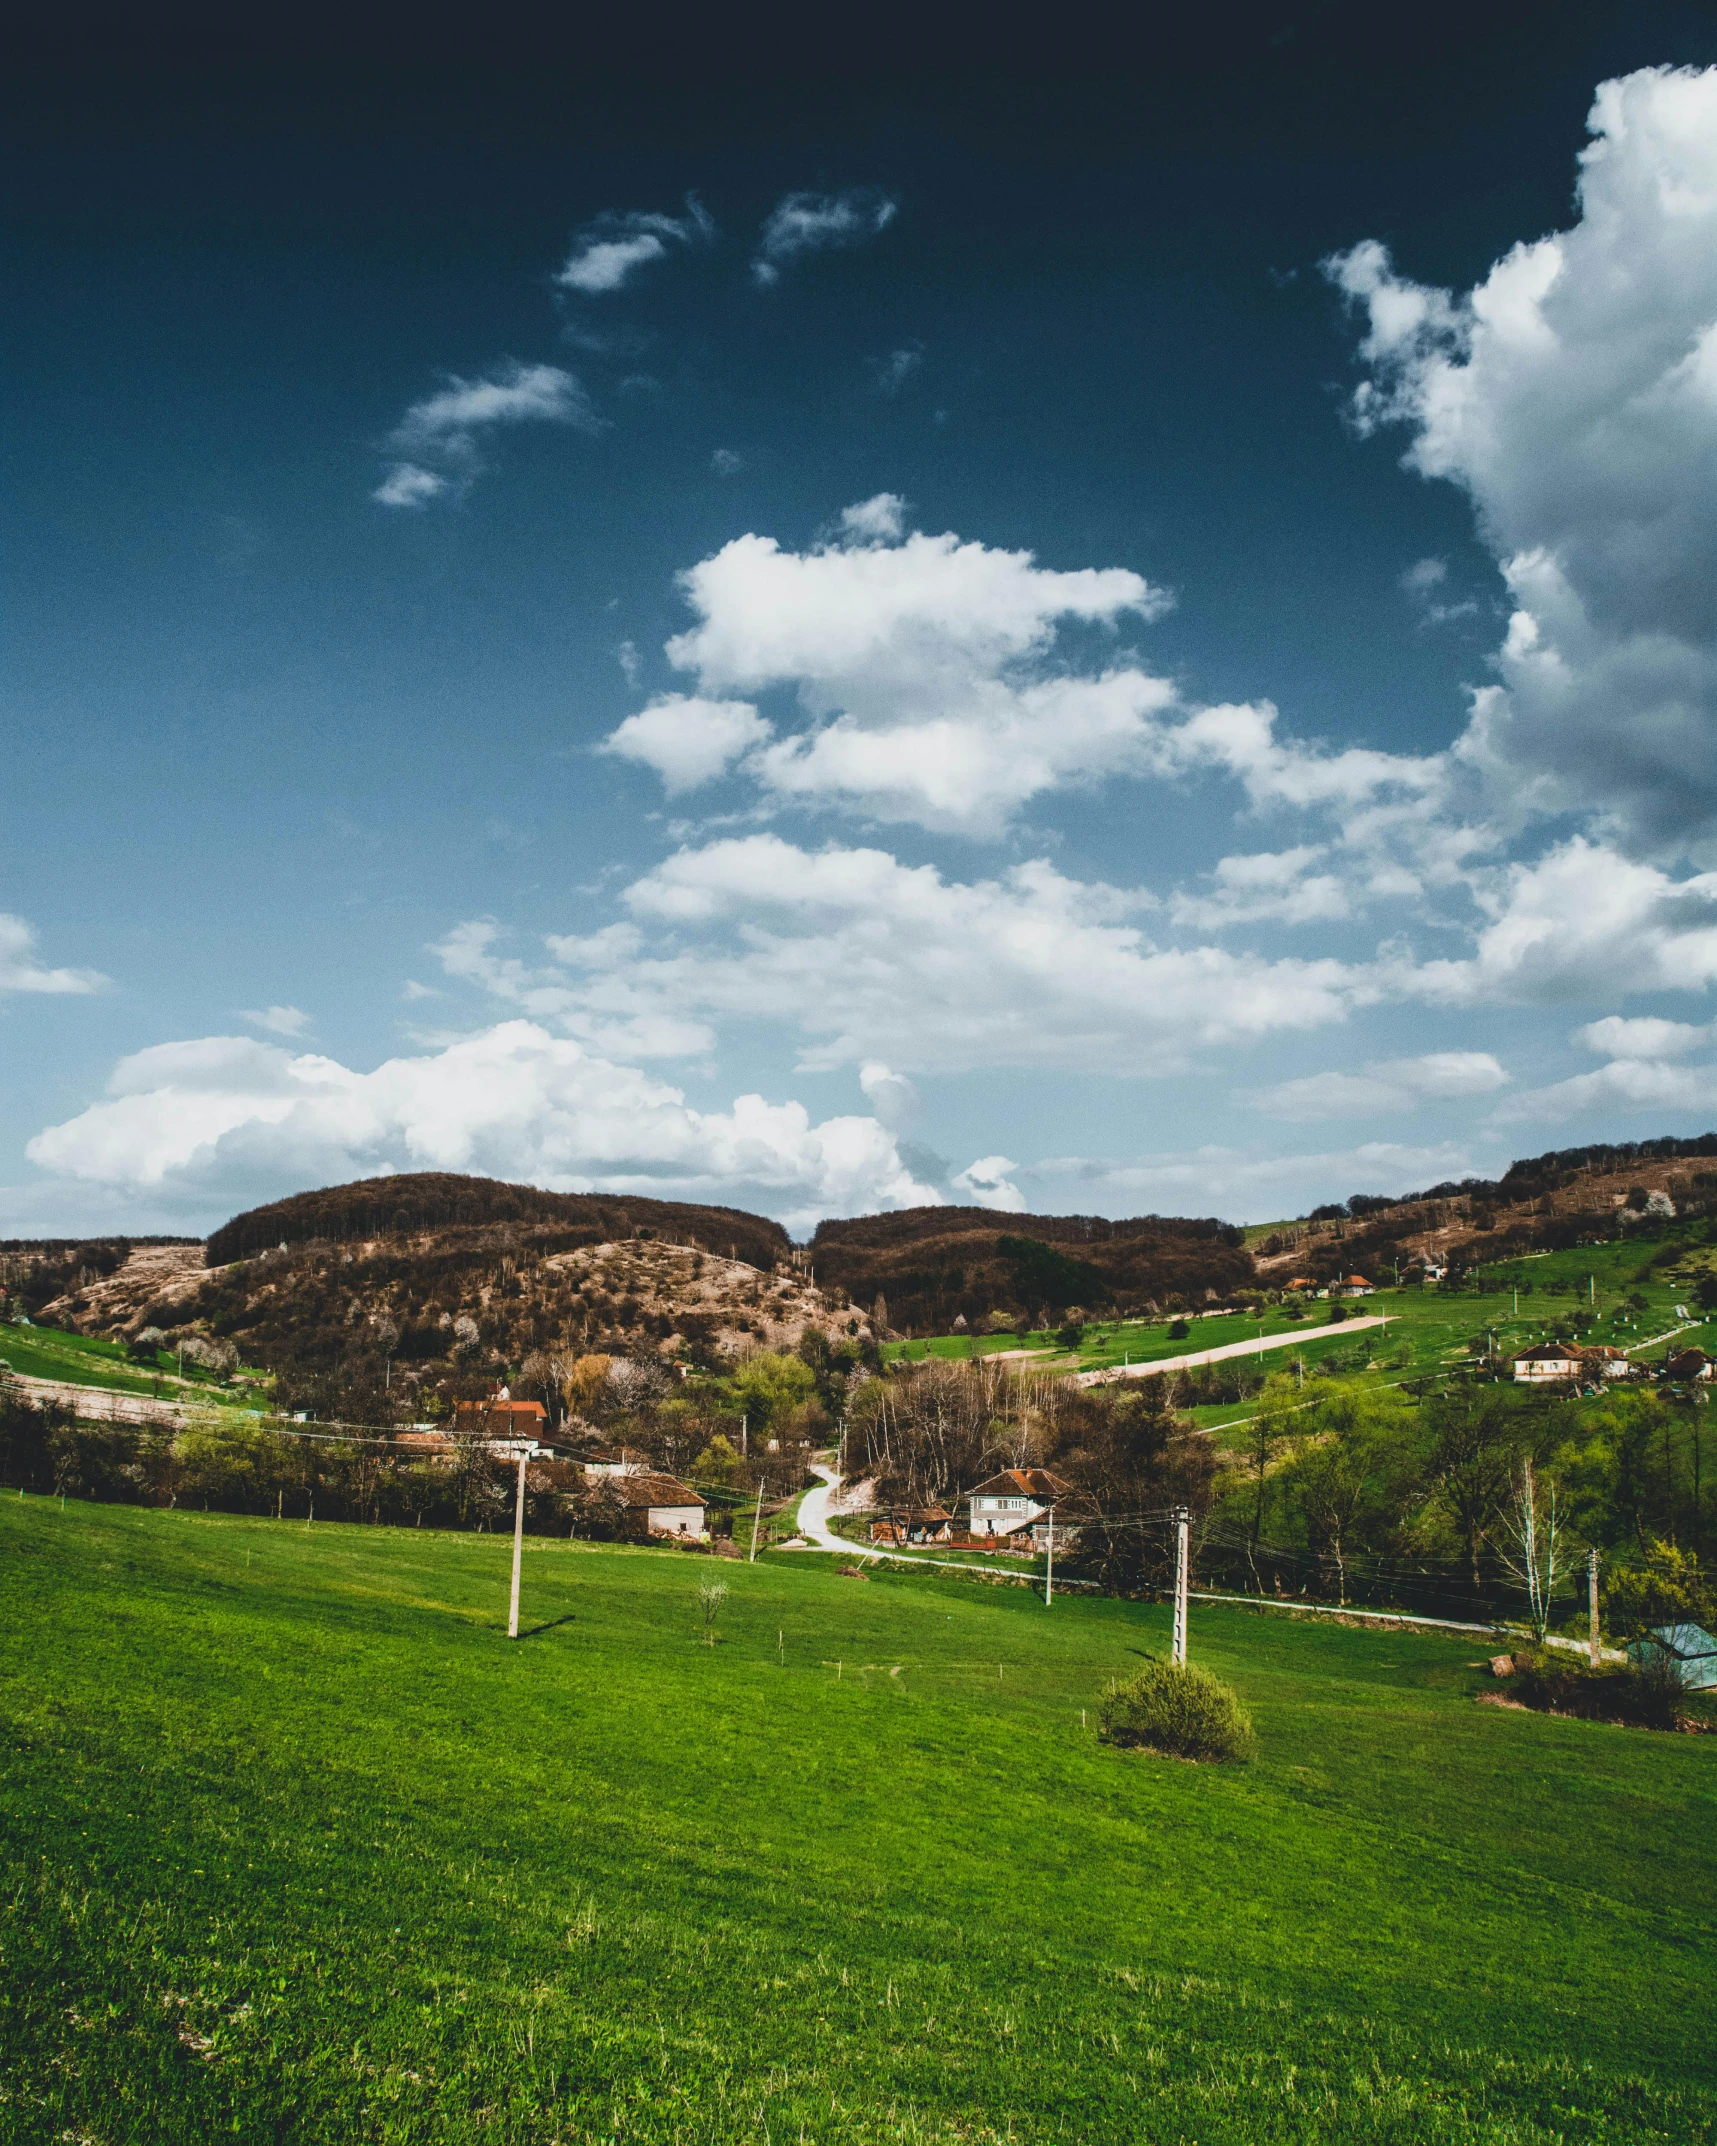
<point>608,252</point>
<point>988,1182</point>
<point>1573,394</point>
<point>1580,922</point>
<point>279,1020</point>
<point>204,1124</point>
<point>939,688</point>
<point>1385,1087</point>
<point>813,223</point>
<point>1643,1037</point>
<point>20,970</point>
<point>436,440</point>
<point>688,741</point>
<point>864,958</point>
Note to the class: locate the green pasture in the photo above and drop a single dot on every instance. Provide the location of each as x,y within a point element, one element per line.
<point>47,1352</point>
<point>299,1848</point>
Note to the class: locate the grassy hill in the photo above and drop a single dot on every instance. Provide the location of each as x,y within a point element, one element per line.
<point>298,1848</point>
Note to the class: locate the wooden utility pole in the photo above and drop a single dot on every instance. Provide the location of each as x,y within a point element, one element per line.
<point>1592,1598</point>
<point>1178,1649</point>
<point>756,1523</point>
<point>518,1548</point>
<point>1049,1569</point>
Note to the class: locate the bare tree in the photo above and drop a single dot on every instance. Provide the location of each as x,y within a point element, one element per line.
<point>1531,1533</point>
<point>711,1595</point>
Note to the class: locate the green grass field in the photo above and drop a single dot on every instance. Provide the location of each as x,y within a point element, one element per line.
<point>48,1352</point>
<point>299,1848</point>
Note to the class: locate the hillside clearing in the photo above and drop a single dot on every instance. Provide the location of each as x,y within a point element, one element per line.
<point>299,1848</point>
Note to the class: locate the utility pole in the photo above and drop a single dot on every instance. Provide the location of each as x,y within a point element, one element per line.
<point>518,1548</point>
<point>1178,1649</point>
<point>1592,1598</point>
<point>1049,1569</point>
<point>744,1436</point>
<point>756,1523</point>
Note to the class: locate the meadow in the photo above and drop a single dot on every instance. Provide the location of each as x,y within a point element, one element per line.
<point>300,1848</point>
<point>49,1352</point>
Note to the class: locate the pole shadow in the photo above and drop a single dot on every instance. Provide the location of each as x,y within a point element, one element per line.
<point>549,1627</point>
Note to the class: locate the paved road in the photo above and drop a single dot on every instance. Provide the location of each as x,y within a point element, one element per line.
<point>1228,1349</point>
<point>814,1515</point>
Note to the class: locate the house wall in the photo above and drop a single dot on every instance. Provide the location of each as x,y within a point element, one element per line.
<point>1000,1516</point>
<point>675,1520</point>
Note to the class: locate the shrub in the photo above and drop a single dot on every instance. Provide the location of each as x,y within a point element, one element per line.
<point>1179,1330</point>
<point>1174,1707</point>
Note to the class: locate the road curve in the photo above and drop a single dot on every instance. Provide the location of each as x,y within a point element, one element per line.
<point>1227,1350</point>
<point>814,1516</point>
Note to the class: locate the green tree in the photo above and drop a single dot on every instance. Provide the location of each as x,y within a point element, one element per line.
<point>769,1386</point>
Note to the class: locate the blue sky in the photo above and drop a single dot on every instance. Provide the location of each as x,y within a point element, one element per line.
<point>1095,637</point>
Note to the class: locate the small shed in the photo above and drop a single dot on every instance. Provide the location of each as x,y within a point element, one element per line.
<point>660,1504</point>
<point>1689,1646</point>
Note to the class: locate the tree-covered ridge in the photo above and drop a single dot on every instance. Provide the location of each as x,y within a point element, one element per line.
<point>430,1200</point>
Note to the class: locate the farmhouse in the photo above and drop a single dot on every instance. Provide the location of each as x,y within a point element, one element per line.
<point>1355,1285</point>
<point>659,1504</point>
<point>1606,1363</point>
<point>1012,1501</point>
<point>1549,1360</point>
<point>1688,1365</point>
<point>511,1427</point>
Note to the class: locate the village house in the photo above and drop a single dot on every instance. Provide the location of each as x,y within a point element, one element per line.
<point>1688,1366</point>
<point>1355,1285</point>
<point>1013,1501</point>
<point>1548,1360</point>
<point>511,1427</point>
<point>659,1504</point>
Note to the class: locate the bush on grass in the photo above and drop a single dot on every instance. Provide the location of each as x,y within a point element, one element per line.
<point>1648,1696</point>
<point>1175,1708</point>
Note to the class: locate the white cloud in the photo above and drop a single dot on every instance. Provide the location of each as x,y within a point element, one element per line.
<point>1384,1087</point>
<point>688,741</point>
<point>1240,1186</point>
<point>892,373</point>
<point>223,1119</point>
<point>1423,583</point>
<point>1580,922</point>
<point>406,485</point>
<point>443,429</point>
<point>1573,395</point>
<point>609,251</point>
<point>279,1020</point>
<point>891,1096</point>
<point>1615,1037</point>
<point>1275,887</point>
<point>812,223</point>
<point>20,971</point>
<point>726,463</point>
<point>1625,1084</point>
<point>865,958</point>
<point>988,1182</point>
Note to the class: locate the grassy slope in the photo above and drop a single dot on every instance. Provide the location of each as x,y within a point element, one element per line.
<point>47,1352</point>
<point>298,1848</point>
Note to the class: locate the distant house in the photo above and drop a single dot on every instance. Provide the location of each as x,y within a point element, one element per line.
<point>511,1427</point>
<point>1301,1281</point>
<point>1606,1363</point>
<point>1549,1360</point>
<point>658,1504</point>
<point>1355,1285</point>
<point>1689,1646</point>
<point>1013,1500</point>
<point>1687,1366</point>
<point>607,1460</point>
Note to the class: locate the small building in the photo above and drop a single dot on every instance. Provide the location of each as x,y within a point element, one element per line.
<point>659,1504</point>
<point>609,1460</point>
<point>1689,1646</point>
<point>1355,1285</point>
<point>511,1427</point>
<point>1688,1367</point>
<point>918,1523</point>
<point>1606,1363</point>
<point>1008,1502</point>
<point>1549,1360</point>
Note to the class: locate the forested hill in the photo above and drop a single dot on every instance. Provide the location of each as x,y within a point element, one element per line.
<point>934,1264</point>
<point>439,1200</point>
